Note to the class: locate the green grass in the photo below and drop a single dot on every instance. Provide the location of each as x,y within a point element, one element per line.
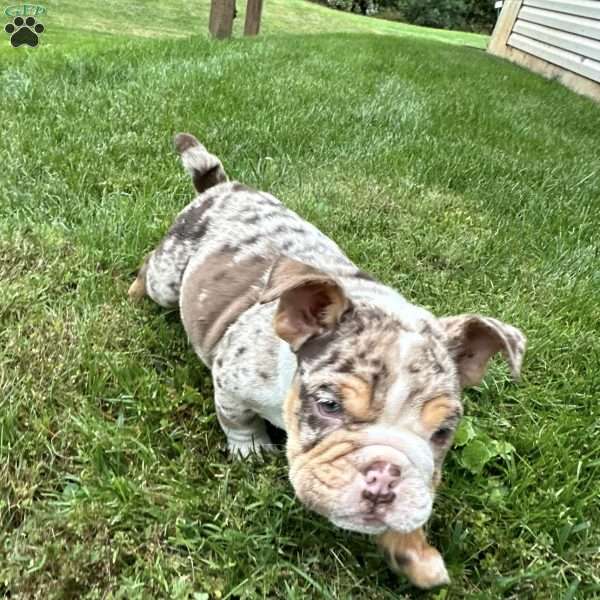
<point>465,182</point>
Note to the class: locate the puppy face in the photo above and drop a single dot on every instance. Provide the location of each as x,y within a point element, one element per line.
<point>370,418</point>
<point>375,401</point>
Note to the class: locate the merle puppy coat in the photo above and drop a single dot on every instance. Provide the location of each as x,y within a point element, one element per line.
<point>366,384</point>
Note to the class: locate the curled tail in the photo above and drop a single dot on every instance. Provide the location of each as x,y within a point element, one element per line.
<point>205,168</point>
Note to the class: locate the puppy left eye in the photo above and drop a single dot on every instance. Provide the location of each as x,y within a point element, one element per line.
<point>441,436</point>
<point>329,407</point>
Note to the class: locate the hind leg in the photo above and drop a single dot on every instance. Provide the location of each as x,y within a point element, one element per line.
<point>160,276</point>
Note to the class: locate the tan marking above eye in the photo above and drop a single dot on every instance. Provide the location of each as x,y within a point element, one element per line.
<point>436,411</point>
<point>356,396</point>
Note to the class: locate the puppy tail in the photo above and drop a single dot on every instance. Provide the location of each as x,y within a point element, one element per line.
<point>205,168</point>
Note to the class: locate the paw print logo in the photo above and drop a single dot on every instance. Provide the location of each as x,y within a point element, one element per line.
<point>24,31</point>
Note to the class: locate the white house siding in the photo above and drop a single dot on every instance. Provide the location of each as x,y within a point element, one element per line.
<point>557,38</point>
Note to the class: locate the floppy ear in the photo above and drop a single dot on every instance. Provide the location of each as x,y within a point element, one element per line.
<point>310,301</point>
<point>473,340</point>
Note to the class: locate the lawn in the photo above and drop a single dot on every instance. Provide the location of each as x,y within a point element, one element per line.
<point>465,182</point>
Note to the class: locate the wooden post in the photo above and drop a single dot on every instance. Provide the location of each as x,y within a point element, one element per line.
<point>221,18</point>
<point>504,26</point>
<point>253,14</point>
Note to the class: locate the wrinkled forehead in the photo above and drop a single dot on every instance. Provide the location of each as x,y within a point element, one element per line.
<point>403,364</point>
<point>360,345</point>
<point>422,370</point>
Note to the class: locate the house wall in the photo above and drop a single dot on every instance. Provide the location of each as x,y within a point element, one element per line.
<point>556,38</point>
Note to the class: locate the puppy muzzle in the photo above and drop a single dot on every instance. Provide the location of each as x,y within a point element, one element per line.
<point>382,483</point>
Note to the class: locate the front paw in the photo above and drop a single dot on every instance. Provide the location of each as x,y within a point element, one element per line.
<point>411,556</point>
<point>242,449</point>
<point>425,571</point>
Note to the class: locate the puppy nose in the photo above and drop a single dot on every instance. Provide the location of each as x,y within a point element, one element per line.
<point>380,479</point>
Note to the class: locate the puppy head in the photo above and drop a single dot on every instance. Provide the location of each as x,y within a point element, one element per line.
<point>375,400</point>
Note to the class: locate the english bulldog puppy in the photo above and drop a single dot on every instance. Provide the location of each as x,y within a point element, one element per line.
<point>366,384</point>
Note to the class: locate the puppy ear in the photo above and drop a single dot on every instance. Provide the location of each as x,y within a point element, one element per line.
<point>473,340</point>
<point>310,301</point>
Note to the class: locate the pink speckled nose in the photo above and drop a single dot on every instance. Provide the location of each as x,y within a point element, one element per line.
<point>380,479</point>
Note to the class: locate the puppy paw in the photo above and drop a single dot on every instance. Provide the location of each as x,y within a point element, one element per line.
<point>426,570</point>
<point>242,449</point>
<point>137,290</point>
<point>411,555</point>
